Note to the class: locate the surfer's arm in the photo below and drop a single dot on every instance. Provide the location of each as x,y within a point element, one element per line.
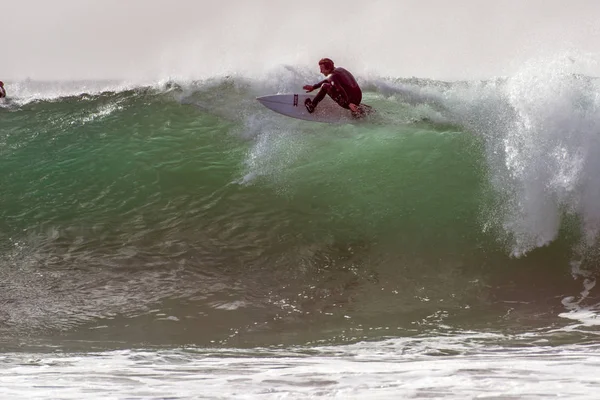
<point>310,88</point>
<point>318,85</point>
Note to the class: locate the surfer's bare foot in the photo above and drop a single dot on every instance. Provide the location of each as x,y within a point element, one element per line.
<point>357,111</point>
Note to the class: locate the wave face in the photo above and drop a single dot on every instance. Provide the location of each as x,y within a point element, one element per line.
<point>189,206</point>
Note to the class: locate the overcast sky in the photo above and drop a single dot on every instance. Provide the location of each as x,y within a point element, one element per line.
<point>153,39</point>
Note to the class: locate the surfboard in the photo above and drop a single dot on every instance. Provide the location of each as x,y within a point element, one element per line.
<point>292,105</point>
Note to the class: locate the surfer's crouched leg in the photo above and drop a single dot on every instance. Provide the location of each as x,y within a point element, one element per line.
<point>310,105</point>
<point>338,97</point>
<point>326,88</point>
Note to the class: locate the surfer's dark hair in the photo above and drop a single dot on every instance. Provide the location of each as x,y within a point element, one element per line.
<point>326,62</point>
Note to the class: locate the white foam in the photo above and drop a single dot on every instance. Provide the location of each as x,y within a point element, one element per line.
<point>540,128</point>
<point>468,365</point>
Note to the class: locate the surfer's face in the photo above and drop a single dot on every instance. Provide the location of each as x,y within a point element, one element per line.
<point>324,70</point>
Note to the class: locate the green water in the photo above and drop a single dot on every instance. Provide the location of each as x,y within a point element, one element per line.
<point>148,216</point>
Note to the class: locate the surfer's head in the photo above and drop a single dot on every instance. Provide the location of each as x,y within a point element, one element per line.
<point>1,84</point>
<point>326,66</point>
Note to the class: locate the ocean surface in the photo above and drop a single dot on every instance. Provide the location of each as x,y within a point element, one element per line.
<point>179,240</point>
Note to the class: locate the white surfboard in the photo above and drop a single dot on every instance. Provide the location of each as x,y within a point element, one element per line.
<point>292,105</point>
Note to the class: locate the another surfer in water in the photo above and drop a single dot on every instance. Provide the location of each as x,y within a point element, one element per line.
<point>2,90</point>
<point>339,84</point>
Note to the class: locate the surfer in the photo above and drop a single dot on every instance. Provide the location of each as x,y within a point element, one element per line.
<point>339,84</point>
<point>2,90</point>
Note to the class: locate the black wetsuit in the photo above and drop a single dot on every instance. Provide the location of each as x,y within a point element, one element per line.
<point>341,86</point>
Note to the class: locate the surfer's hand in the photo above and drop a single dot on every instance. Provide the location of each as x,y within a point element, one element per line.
<point>353,107</point>
<point>308,88</point>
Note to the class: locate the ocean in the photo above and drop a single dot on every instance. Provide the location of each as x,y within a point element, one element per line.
<point>178,240</point>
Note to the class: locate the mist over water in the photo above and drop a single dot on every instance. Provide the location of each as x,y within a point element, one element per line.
<point>157,39</point>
